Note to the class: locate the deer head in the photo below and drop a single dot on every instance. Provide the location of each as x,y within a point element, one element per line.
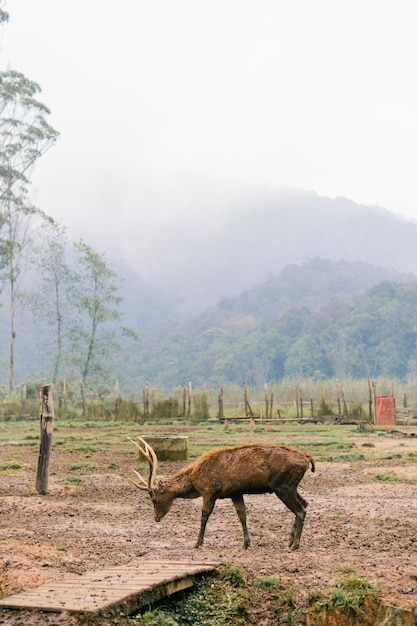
<point>161,499</point>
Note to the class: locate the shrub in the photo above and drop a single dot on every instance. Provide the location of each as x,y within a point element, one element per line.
<point>165,409</point>
<point>201,409</point>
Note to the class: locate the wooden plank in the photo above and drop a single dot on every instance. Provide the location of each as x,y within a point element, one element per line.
<point>116,587</point>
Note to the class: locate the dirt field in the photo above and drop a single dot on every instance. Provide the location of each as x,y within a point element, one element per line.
<point>355,520</point>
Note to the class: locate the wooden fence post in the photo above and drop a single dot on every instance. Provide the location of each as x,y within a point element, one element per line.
<point>221,402</point>
<point>266,401</point>
<point>190,393</point>
<point>145,394</point>
<point>46,412</point>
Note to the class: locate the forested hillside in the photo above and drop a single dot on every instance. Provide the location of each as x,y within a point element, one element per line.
<point>320,319</point>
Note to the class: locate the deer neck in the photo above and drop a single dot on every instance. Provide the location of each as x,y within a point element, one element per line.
<point>180,485</point>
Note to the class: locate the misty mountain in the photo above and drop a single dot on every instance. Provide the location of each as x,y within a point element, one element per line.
<point>312,283</point>
<point>249,234</point>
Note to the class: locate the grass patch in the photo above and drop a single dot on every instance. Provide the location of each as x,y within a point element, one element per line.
<point>214,601</point>
<point>342,458</point>
<point>227,598</point>
<point>11,465</point>
<point>82,466</point>
<point>351,596</point>
<point>390,477</point>
<point>266,582</point>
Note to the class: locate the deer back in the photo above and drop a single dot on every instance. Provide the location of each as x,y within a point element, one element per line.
<point>257,468</point>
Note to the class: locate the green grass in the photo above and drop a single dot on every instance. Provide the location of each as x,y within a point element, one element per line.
<point>266,582</point>
<point>11,465</point>
<point>350,596</point>
<point>84,467</point>
<point>392,477</point>
<point>214,601</point>
<point>325,441</point>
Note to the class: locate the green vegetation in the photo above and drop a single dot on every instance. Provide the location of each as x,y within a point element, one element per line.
<point>82,467</point>
<point>392,477</point>
<point>228,598</point>
<point>214,601</point>
<point>353,595</point>
<point>306,323</point>
<point>266,582</point>
<point>89,440</point>
<point>287,400</point>
<point>11,465</point>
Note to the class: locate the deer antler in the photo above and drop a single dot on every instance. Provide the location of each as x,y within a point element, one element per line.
<point>150,456</point>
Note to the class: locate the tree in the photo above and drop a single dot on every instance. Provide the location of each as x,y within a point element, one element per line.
<point>24,136</point>
<point>95,298</point>
<point>51,300</point>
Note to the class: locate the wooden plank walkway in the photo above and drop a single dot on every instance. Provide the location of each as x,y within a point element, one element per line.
<point>124,588</point>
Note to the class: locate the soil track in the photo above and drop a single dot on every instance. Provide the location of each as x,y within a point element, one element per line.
<point>355,521</point>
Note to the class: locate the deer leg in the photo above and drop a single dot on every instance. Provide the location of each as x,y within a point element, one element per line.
<point>208,506</point>
<point>295,503</point>
<point>239,505</point>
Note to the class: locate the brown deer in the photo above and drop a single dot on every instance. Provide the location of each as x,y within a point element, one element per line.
<point>230,473</point>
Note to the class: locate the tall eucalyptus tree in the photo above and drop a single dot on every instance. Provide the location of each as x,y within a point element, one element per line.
<point>25,135</point>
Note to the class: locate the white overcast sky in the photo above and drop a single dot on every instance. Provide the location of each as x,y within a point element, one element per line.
<point>314,94</point>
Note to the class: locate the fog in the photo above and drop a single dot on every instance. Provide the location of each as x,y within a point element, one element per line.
<point>169,111</point>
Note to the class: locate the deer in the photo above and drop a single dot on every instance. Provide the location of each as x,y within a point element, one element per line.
<point>231,472</point>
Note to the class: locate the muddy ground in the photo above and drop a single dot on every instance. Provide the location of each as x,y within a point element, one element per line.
<point>355,521</point>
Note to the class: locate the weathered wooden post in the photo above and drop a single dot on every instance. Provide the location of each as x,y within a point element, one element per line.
<point>266,401</point>
<point>62,396</point>
<point>46,412</point>
<point>297,401</point>
<point>145,394</point>
<point>190,395</point>
<point>311,400</point>
<point>221,403</point>
<point>345,409</point>
<point>23,396</point>
<point>248,408</point>
<point>370,400</point>
<point>339,406</point>
<point>83,398</point>
<point>117,397</point>
<point>184,400</point>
